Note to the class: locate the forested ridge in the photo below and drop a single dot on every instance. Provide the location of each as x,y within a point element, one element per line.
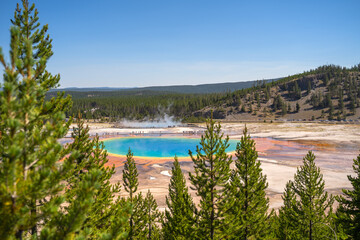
<point>326,93</point>
<point>54,191</point>
<point>140,106</point>
<point>193,89</point>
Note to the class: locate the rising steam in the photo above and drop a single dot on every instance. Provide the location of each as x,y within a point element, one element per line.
<point>158,122</point>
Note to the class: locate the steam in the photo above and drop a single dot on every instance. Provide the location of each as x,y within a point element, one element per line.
<point>158,122</point>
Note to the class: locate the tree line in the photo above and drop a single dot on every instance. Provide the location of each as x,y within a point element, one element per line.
<point>332,89</point>
<point>327,88</point>
<point>54,191</point>
<point>139,107</point>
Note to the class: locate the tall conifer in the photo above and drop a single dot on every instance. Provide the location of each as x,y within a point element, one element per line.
<point>106,214</point>
<point>144,218</point>
<point>313,206</point>
<point>130,175</point>
<point>248,205</point>
<point>30,178</point>
<point>287,222</point>
<point>130,178</point>
<point>348,213</point>
<point>139,216</point>
<point>212,171</point>
<point>153,217</point>
<point>180,219</point>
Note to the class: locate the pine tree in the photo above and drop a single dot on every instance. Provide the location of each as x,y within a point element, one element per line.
<point>248,208</point>
<point>139,215</point>
<point>348,213</point>
<point>212,171</point>
<point>297,107</point>
<point>309,87</point>
<point>30,177</point>
<point>130,178</point>
<point>108,214</point>
<point>283,109</point>
<point>153,217</point>
<point>341,105</point>
<point>179,216</point>
<point>144,217</point>
<point>287,217</point>
<point>267,93</point>
<point>272,226</point>
<point>91,208</point>
<point>331,111</point>
<point>243,108</point>
<point>313,207</point>
<point>326,80</point>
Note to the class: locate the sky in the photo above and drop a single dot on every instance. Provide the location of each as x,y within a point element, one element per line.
<point>136,43</point>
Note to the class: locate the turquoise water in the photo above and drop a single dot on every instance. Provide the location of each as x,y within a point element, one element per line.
<point>156,147</point>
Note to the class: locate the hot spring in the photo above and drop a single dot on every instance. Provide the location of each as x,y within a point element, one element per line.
<point>157,146</point>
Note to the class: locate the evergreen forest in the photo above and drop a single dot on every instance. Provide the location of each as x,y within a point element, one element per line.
<point>54,191</point>
<point>327,93</point>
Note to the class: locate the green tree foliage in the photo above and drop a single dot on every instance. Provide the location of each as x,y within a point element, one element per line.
<point>327,101</point>
<point>309,87</point>
<point>352,104</point>
<point>307,211</point>
<point>212,171</point>
<point>294,91</point>
<point>284,109</point>
<point>278,103</point>
<point>139,105</point>
<point>130,175</point>
<point>32,199</point>
<point>179,215</point>
<point>341,105</point>
<point>248,204</point>
<point>331,111</point>
<point>139,217</point>
<point>30,33</point>
<point>287,216</point>
<point>243,109</point>
<point>144,218</point>
<point>104,215</point>
<point>130,179</point>
<point>30,177</point>
<point>151,104</point>
<point>267,92</point>
<point>326,79</point>
<point>153,218</point>
<point>348,213</point>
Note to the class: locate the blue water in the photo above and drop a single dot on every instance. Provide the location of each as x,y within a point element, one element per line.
<point>156,147</point>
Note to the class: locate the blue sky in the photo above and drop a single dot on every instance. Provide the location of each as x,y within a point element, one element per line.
<point>127,43</point>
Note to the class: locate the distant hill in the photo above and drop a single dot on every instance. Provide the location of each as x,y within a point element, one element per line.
<point>206,88</point>
<point>95,89</point>
<point>187,89</point>
<point>327,93</point>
